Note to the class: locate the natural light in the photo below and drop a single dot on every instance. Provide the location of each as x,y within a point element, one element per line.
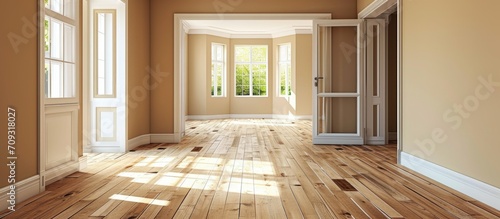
<point>136,199</point>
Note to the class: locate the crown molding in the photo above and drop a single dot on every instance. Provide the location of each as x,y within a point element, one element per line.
<point>277,34</point>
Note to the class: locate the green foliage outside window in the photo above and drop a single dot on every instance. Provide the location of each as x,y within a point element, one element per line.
<point>251,70</point>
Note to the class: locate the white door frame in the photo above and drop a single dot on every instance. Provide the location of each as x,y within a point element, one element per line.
<point>340,138</point>
<point>179,69</point>
<point>375,10</point>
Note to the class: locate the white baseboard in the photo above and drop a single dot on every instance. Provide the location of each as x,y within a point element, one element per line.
<point>138,141</point>
<point>292,117</point>
<point>476,189</point>
<point>61,171</point>
<point>24,189</point>
<point>393,136</point>
<point>164,138</point>
<point>248,116</point>
<point>208,117</point>
<point>107,149</point>
<point>82,162</point>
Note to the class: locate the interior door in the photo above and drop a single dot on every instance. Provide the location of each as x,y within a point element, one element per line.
<point>107,80</point>
<point>376,77</point>
<point>338,92</point>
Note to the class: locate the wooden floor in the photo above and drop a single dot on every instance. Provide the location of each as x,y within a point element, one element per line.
<point>249,169</point>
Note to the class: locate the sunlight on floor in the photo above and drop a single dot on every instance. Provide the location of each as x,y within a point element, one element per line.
<point>136,199</point>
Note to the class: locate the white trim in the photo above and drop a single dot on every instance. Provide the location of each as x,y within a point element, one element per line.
<point>82,162</point>
<point>284,33</point>
<point>249,116</point>
<point>61,171</point>
<point>24,189</point>
<point>476,189</point>
<point>164,138</point>
<point>292,117</point>
<point>399,80</point>
<point>138,141</point>
<point>107,149</point>
<point>393,136</point>
<point>376,8</point>
<point>208,117</point>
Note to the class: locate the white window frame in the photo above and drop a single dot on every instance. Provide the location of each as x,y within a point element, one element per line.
<point>72,21</point>
<point>288,75</point>
<point>250,69</point>
<point>224,69</point>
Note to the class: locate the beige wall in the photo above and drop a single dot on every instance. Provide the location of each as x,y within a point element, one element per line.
<point>140,82</point>
<point>162,15</point>
<point>252,105</point>
<point>197,74</point>
<point>362,4</point>
<point>200,101</point>
<point>445,104</point>
<point>19,86</point>
<point>303,73</point>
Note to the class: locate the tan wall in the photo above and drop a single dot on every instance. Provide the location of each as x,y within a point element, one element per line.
<point>392,79</point>
<point>199,80</point>
<point>19,86</point>
<point>162,15</point>
<point>197,75</point>
<point>362,4</point>
<point>303,73</point>
<point>252,105</point>
<point>445,103</point>
<point>139,80</point>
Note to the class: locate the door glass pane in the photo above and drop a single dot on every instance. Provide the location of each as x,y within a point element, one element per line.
<point>57,6</point>
<point>375,120</point>
<point>375,60</point>
<point>69,43</point>
<point>337,61</point>
<point>56,42</point>
<point>337,115</point>
<point>104,54</point>
<point>69,8</point>
<point>47,37</point>
<point>56,80</point>
<point>69,80</point>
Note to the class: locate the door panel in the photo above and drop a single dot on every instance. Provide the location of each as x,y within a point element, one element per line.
<point>107,108</point>
<point>337,68</point>
<point>376,74</point>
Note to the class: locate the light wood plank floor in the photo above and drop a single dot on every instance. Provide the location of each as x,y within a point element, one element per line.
<point>249,169</point>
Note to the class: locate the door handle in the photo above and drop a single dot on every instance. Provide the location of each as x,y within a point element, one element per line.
<point>316,80</point>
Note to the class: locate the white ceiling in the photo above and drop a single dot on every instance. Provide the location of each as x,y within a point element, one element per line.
<point>245,28</point>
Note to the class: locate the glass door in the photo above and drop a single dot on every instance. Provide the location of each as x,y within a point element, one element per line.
<point>338,94</point>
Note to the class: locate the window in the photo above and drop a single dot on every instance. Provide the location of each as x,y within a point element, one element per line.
<point>104,53</point>
<point>60,42</point>
<point>251,70</point>
<point>285,69</point>
<point>218,70</point>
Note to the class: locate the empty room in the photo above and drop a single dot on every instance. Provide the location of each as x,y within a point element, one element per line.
<point>249,109</point>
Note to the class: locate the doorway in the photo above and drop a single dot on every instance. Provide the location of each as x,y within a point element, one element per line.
<point>180,56</point>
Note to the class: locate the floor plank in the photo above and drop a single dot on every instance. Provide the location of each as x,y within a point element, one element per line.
<point>249,168</point>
